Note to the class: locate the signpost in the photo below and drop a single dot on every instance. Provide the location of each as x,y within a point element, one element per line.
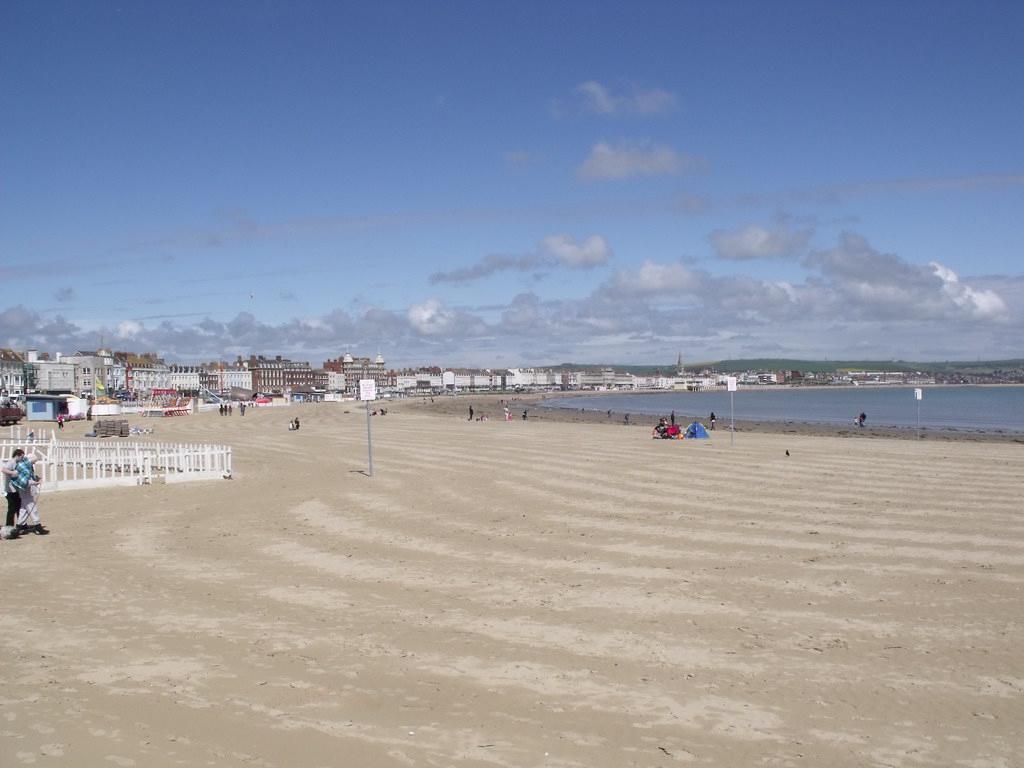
<point>730,383</point>
<point>918,395</point>
<point>368,392</point>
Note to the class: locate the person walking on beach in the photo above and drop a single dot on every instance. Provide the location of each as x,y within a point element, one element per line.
<point>13,499</point>
<point>19,478</point>
<point>712,419</point>
<point>471,413</point>
<point>672,418</point>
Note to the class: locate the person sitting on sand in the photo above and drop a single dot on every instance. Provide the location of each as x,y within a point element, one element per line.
<point>660,430</point>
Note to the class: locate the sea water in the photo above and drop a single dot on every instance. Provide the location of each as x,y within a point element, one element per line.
<point>986,409</point>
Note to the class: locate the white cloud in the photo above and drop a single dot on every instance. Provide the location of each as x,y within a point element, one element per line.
<point>431,317</point>
<point>654,279</point>
<point>979,302</point>
<point>592,252</point>
<point>632,159</point>
<point>600,99</point>
<point>853,299</point>
<point>129,329</point>
<point>757,242</point>
<point>553,251</point>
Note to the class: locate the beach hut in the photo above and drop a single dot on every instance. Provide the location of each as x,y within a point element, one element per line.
<point>44,407</point>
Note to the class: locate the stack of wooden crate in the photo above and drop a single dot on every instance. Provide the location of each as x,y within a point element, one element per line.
<point>111,428</point>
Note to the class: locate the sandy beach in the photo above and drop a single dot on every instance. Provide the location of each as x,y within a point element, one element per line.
<point>538,593</point>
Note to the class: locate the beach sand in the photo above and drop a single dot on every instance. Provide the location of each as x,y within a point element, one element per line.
<point>523,594</point>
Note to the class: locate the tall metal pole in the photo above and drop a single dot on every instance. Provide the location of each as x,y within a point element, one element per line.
<point>918,394</point>
<point>369,438</point>
<point>732,419</point>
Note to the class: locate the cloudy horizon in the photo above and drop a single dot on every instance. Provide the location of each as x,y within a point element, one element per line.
<point>447,198</point>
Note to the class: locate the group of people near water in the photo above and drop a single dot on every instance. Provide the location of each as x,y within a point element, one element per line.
<point>21,488</point>
<point>505,409</point>
<point>227,409</point>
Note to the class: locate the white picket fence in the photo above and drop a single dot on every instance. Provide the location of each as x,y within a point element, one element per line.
<point>71,464</point>
<point>29,436</point>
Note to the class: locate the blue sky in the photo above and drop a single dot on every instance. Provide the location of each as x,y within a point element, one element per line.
<point>489,184</point>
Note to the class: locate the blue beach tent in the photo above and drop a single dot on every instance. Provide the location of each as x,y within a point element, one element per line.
<point>697,430</point>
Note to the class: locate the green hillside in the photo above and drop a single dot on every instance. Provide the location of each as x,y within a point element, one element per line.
<point>810,366</point>
<point>828,366</point>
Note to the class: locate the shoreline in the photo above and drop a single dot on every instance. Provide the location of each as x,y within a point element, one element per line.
<point>491,406</point>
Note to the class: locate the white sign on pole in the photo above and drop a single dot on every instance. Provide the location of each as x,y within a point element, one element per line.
<point>368,392</point>
<point>918,395</point>
<point>730,383</point>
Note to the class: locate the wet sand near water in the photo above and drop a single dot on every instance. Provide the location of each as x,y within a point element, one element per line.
<point>491,405</point>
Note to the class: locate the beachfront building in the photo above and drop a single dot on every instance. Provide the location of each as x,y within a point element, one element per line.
<point>425,381</point>
<point>53,376</point>
<point>223,377</point>
<point>12,373</point>
<point>533,378</point>
<point>143,379</point>
<point>335,381</point>
<point>268,374</point>
<point>281,376</point>
<point>657,381</point>
<point>185,378</point>
<point>95,372</point>
<point>356,368</point>
<point>605,378</point>
<point>469,380</point>
<point>877,377</point>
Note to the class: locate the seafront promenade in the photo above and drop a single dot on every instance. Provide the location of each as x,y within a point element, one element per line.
<point>519,593</point>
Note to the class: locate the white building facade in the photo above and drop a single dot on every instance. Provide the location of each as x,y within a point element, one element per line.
<point>12,373</point>
<point>51,376</point>
<point>142,380</point>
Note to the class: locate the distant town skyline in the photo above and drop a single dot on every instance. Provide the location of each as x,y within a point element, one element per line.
<point>509,185</point>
